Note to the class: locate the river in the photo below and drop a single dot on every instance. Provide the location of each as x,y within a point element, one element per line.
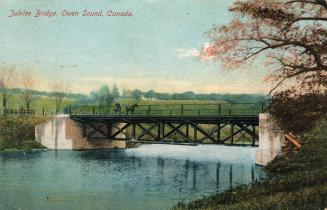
<point>148,177</point>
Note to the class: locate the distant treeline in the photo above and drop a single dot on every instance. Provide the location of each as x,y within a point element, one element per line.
<point>189,95</point>
<point>105,96</point>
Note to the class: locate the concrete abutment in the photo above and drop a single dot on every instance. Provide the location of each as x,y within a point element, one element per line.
<point>61,132</point>
<point>271,139</point>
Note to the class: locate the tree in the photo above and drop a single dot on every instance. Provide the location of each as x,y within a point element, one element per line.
<point>290,36</point>
<point>29,83</point>
<point>58,93</point>
<point>150,94</point>
<point>115,91</point>
<point>298,113</point>
<point>189,95</point>
<point>103,96</point>
<point>137,94</point>
<point>127,93</point>
<point>164,96</point>
<point>7,76</point>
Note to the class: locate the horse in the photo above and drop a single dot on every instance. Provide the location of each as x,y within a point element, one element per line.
<point>131,109</point>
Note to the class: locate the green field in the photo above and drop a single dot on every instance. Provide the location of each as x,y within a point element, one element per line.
<point>173,108</point>
<point>131,101</point>
<point>16,102</point>
<point>145,107</point>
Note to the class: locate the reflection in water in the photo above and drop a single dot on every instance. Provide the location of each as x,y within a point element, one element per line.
<point>231,176</point>
<point>118,179</point>
<point>218,172</point>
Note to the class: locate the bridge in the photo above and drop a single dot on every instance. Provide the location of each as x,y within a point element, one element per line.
<point>224,123</point>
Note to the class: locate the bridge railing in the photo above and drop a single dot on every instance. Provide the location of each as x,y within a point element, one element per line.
<point>223,109</point>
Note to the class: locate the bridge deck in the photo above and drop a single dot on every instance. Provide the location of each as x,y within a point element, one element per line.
<point>254,119</point>
<point>222,109</point>
<point>234,124</point>
<point>230,130</point>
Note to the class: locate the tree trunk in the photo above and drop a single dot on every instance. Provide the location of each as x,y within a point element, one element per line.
<point>4,103</point>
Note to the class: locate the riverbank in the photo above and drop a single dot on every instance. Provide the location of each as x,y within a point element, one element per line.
<point>17,132</point>
<point>298,181</point>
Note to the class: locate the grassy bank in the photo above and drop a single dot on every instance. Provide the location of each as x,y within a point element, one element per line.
<point>17,132</point>
<point>299,181</point>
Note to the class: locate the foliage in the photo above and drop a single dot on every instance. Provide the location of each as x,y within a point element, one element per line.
<point>59,92</point>
<point>18,132</point>
<point>137,94</point>
<point>115,91</point>
<point>103,96</point>
<point>297,181</point>
<point>298,113</point>
<point>150,94</point>
<point>291,36</point>
<point>29,82</point>
<point>6,81</point>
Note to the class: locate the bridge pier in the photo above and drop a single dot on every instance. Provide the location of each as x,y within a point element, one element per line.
<point>271,139</point>
<point>61,132</point>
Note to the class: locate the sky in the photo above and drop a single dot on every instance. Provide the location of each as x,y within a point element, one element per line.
<point>153,49</point>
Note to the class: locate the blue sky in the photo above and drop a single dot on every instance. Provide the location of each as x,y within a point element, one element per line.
<point>151,50</point>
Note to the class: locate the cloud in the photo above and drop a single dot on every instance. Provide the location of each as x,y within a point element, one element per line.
<point>206,53</point>
<point>187,52</point>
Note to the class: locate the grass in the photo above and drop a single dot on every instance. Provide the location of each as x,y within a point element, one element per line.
<point>158,107</point>
<point>17,133</point>
<point>130,101</point>
<point>297,181</point>
<point>16,102</point>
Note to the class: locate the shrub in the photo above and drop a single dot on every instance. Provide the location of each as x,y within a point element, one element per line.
<point>298,113</point>
<point>18,132</point>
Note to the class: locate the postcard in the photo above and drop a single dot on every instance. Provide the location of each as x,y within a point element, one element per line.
<point>163,104</point>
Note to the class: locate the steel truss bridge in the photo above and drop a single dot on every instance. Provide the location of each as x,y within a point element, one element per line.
<point>230,124</point>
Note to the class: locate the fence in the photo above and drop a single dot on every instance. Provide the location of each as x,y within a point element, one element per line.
<point>222,109</point>
<point>17,112</point>
<point>241,109</point>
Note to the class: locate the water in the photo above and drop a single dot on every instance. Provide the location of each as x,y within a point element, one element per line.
<point>148,177</point>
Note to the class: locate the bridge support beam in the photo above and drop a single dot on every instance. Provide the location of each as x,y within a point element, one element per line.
<point>61,132</point>
<point>271,139</point>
